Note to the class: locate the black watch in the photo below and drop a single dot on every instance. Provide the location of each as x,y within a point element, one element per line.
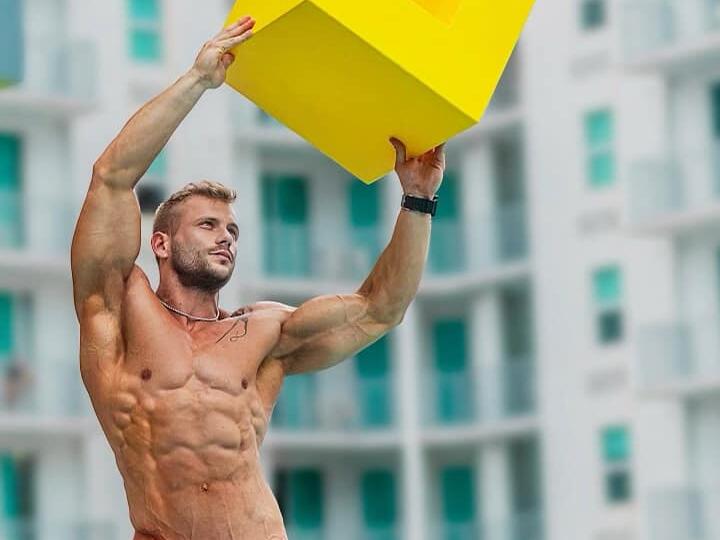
<point>420,204</point>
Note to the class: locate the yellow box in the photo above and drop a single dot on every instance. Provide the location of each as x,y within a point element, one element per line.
<point>347,75</point>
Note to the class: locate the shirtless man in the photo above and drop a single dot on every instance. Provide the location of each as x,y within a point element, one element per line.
<point>184,390</point>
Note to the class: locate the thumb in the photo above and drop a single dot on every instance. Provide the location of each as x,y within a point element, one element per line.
<point>400,152</point>
<point>227,60</point>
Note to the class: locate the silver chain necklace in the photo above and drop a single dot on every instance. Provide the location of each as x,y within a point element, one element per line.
<point>193,317</point>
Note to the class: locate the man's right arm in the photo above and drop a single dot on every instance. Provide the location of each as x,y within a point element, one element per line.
<point>107,236</point>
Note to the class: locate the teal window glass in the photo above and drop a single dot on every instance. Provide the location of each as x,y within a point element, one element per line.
<point>616,451</point>
<point>616,444</point>
<point>16,487</point>
<point>446,240</point>
<point>158,168</point>
<point>285,225</point>
<point>145,30</point>
<point>599,135</point>
<point>6,326</point>
<point>618,487</point>
<point>453,382</point>
<point>715,106</point>
<point>295,406</point>
<point>607,285</point>
<point>607,294</point>
<point>11,226</point>
<point>458,494</point>
<point>378,500</point>
<point>592,14</point>
<point>11,42</point>
<point>365,224</point>
<point>373,367</point>
<point>524,461</point>
<point>306,499</point>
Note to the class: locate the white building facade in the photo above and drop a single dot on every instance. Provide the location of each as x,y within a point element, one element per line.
<point>556,377</point>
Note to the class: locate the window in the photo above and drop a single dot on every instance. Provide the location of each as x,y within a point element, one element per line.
<point>378,502</point>
<point>599,133</point>
<point>593,14</point>
<point>7,330</point>
<point>151,190</point>
<point>607,291</point>
<point>373,367</point>
<point>300,493</point>
<point>446,243</point>
<point>285,225</point>
<point>11,42</point>
<point>11,227</point>
<point>17,497</point>
<point>365,218</point>
<point>457,491</point>
<point>453,383</point>
<point>145,30</point>
<point>616,456</point>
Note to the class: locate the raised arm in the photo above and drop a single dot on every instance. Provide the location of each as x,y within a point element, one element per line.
<point>107,236</point>
<point>327,329</point>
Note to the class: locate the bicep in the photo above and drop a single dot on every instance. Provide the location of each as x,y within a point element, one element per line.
<point>325,330</point>
<point>105,244</point>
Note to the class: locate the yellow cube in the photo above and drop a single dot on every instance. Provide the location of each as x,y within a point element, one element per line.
<point>348,75</point>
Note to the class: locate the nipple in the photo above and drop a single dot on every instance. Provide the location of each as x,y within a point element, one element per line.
<point>145,374</point>
<point>205,486</point>
<point>244,383</point>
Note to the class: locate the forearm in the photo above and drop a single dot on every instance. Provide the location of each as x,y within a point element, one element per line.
<point>142,138</point>
<point>395,278</point>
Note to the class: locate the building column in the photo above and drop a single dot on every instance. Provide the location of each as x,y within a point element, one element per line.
<point>478,200</point>
<point>486,355</point>
<point>409,360</point>
<point>495,491</point>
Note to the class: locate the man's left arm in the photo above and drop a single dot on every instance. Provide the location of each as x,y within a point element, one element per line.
<point>325,330</point>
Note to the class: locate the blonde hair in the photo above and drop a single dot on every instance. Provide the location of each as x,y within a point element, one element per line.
<point>166,213</point>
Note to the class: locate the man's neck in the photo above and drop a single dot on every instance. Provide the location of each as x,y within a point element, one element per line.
<point>194,302</point>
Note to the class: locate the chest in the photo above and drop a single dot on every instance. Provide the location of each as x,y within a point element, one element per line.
<point>225,355</point>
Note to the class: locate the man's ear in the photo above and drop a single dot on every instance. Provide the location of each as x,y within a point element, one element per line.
<point>160,244</point>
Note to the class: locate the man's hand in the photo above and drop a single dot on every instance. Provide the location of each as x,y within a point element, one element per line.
<point>214,59</point>
<point>422,175</point>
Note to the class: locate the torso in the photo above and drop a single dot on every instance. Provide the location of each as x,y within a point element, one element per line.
<point>185,413</point>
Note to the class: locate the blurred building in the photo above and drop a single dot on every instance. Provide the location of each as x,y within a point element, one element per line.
<point>556,377</point>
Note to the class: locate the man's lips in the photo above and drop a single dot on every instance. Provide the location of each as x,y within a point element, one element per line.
<point>223,254</point>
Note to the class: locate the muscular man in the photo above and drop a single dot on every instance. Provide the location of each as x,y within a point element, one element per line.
<point>184,390</point>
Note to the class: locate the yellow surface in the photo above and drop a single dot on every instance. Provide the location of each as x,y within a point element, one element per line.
<point>347,76</point>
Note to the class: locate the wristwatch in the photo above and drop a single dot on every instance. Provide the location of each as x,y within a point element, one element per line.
<point>420,204</point>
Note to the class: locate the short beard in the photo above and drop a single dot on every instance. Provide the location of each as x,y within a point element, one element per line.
<point>194,270</point>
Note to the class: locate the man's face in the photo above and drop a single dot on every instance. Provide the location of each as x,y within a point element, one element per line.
<point>204,245</point>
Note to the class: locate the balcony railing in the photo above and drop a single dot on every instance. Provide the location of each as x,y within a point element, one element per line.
<point>64,69</point>
<point>43,390</point>
<point>521,526</point>
<point>651,25</point>
<point>457,531</point>
<point>451,397</point>
<point>684,514</point>
<point>28,529</point>
<point>303,407</point>
<point>36,224</point>
<point>674,353</point>
<point>392,532</point>
<point>662,188</point>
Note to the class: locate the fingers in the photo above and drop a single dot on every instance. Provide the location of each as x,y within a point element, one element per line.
<point>224,32</point>
<point>227,60</point>
<point>242,26</point>
<point>232,42</point>
<point>400,150</point>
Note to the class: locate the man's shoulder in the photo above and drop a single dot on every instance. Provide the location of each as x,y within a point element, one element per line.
<point>266,307</point>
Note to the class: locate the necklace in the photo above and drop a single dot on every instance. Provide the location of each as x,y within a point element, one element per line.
<point>217,316</point>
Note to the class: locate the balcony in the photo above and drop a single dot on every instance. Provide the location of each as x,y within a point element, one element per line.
<point>304,406</point>
<point>521,526</point>
<point>493,250</point>
<point>60,80</point>
<point>457,531</point>
<point>671,36</point>
<point>49,398</point>
<point>684,514</point>
<point>675,195</point>
<point>679,358</point>
<point>381,533</point>
<point>68,529</point>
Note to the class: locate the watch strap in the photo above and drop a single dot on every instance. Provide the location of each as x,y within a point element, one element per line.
<point>420,204</point>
